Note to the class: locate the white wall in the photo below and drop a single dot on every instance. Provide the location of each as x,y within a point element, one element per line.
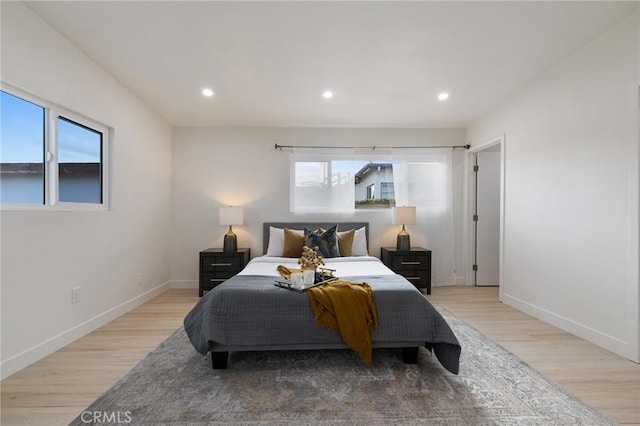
<point>571,212</point>
<point>45,254</point>
<point>213,167</point>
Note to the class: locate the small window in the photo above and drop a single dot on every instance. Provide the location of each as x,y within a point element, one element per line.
<point>386,191</point>
<point>50,156</point>
<point>371,192</point>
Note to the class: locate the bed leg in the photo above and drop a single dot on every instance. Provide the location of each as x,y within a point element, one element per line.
<point>410,355</point>
<point>219,360</point>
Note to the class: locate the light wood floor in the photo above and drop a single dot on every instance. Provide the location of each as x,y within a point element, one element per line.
<point>605,381</point>
<point>57,388</point>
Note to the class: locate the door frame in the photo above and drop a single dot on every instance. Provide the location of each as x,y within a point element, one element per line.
<point>470,203</point>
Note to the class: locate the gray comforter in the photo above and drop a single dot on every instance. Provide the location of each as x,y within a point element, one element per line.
<point>249,311</point>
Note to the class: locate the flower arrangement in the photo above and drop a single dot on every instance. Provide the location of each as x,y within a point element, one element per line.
<point>310,258</point>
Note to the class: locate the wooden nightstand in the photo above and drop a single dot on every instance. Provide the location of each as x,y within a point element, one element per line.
<point>413,264</point>
<point>216,266</point>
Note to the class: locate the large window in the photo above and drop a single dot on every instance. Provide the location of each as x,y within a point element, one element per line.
<point>325,180</point>
<point>325,184</point>
<point>49,156</point>
<point>342,183</point>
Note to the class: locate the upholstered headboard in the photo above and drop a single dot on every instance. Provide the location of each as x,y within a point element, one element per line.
<point>342,226</point>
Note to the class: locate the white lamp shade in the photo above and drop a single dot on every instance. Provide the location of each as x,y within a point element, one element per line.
<point>403,215</point>
<point>231,215</point>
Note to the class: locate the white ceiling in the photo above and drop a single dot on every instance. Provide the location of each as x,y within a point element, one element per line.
<point>269,62</point>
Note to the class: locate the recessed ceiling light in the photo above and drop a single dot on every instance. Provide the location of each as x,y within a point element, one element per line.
<point>207,92</point>
<point>327,94</point>
<point>443,96</point>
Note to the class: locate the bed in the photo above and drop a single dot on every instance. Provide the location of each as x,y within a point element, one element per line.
<point>249,313</point>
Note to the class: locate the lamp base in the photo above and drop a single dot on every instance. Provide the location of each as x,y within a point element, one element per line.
<point>230,241</point>
<point>403,242</point>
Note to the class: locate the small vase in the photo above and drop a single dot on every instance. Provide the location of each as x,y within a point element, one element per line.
<point>309,276</point>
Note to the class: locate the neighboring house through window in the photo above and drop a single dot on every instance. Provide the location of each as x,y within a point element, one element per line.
<point>372,184</point>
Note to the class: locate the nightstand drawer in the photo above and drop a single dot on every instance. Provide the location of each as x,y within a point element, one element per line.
<point>409,262</point>
<point>221,263</point>
<point>219,276</point>
<point>417,278</point>
<point>210,280</point>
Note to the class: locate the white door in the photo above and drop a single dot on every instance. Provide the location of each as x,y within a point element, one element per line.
<point>487,221</point>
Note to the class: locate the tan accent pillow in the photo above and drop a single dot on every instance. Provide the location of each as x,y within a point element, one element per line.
<point>293,243</point>
<point>345,242</point>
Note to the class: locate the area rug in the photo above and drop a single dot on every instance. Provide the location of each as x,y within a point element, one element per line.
<point>174,385</point>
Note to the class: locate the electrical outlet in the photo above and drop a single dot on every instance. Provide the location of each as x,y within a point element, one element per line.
<point>139,282</point>
<point>75,295</point>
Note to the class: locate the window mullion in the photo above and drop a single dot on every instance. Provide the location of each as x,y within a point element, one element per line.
<point>52,158</point>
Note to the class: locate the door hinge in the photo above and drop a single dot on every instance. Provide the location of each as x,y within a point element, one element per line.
<point>476,168</point>
<point>475,217</point>
<point>475,267</point>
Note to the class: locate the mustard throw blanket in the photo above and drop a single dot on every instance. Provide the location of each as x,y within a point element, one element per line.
<point>286,272</point>
<point>344,307</point>
<point>347,308</point>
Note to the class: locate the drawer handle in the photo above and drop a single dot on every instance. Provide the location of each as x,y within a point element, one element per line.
<point>217,280</point>
<point>412,278</point>
<point>409,263</point>
<point>221,264</point>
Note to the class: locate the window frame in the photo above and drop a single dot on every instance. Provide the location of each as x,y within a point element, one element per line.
<point>403,190</point>
<point>329,156</point>
<point>52,112</point>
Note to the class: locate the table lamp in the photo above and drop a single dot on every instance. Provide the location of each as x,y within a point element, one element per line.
<point>403,216</point>
<point>231,216</point>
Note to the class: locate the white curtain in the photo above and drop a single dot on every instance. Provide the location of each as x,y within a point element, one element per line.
<point>424,179</point>
<point>319,183</point>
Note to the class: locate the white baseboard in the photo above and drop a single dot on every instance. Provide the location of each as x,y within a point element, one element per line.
<point>610,343</point>
<point>185,284</point>
<point>49,346</point>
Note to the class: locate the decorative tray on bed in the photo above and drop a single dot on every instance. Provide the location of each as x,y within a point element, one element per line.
<point>322,277</point>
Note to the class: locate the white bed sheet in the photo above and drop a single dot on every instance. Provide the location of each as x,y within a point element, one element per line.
<point>344,266</point>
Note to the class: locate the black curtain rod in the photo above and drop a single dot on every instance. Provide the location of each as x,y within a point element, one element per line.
<point>373,148</point>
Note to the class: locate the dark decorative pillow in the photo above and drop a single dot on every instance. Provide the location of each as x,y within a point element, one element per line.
<point>345,241</point>
<point>326,241</point>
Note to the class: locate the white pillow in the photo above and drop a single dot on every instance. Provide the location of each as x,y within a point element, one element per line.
<point>359,247</point>
<point>276,241</point>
